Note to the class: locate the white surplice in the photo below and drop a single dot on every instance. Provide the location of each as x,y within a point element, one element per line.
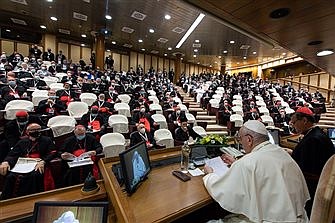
<point>265,185</point>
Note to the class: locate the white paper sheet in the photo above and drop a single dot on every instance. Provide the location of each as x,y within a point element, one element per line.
<point>24,165</point>
<point>196,172</point>
<point>218,166</point>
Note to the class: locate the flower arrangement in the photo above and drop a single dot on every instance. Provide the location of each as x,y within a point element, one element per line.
<point>212,139</point>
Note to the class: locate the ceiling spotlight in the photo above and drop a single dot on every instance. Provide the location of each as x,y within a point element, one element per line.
<point>165,54</point>
<point>140,41</point>
<point>108,17</point>
<point>49,0</point>
<point>197,41</point>
<point>106,31</point>
<point>238,62</point>
<point>151,30</point>
<point>225,51</point>
<point>195,50</point>
<point>198,63</point>
<point>210,65</point>
<point>283,54</point>
<point>83,35</point>
<point>215,62</point>
<point>244,58</point>
<point>143,49</point>
<point>181,58</point>
<point>231,41</point>
<point>170,48</point>
<point>325,52</point>
<point>254,52</point>
<point>219,57</point>
<point>43,26</point>
<point>194,55</point>
<point>167,17</point>
<point>53,18</point>
<point>113,42</point>
<point>8,30</point>
<point>108,50</point>
<point>82,44</point>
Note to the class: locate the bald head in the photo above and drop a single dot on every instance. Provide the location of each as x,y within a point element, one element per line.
<point>33,127</point>
<point>79,130</point>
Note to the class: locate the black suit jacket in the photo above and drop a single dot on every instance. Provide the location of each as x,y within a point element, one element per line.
<point>90,143</point>
<point>44,146</point>
<point>136,137</point>
<point>43,106</point>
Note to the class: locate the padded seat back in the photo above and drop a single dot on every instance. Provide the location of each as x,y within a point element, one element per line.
<point>161,120</point>
<point>122,109</point>
<point>61,125</point>
<point>77,109</point>
<point>88,98</point>
<point>17,105</point>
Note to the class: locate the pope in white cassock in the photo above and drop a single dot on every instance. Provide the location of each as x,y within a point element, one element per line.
<point>266,185</point>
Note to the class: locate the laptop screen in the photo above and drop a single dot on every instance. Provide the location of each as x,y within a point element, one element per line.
<point>74,212</point>
<point>331,133</point>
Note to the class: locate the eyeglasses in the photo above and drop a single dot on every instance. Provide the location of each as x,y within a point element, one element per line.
<point>239,137</point>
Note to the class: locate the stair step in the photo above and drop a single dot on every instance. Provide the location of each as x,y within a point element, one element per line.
<point>208,121</point>
<point>325,126</point>
<point>326,122</point>
<point>217,132</point>
<point>328,115</point>
<point>216,128</point>
<point>202,113</point>
<point>196,109</point>
<point>206,117</point>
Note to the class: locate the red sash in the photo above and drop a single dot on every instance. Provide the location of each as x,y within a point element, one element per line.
<point>95,125</point>
<point>146,123</point>
<point>78,152</point>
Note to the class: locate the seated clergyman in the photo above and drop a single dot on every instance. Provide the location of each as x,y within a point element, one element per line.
<point>265,185</point>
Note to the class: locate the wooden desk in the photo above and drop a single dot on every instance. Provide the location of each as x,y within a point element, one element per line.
<point>160,198</point>
<point>22,207</point>
<point>284,142</point>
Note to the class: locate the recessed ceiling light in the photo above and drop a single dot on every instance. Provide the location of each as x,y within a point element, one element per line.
<point>106,31</point>
<point>198,63</point>
<point>225,51</point>
<point>238,62</point>
<point>167,17</point>
<point>254,52</point>
<point>325,52</point>
<point>113,42</point>
<point>194,55</point>
<point>83,35</point>
<point>284,54</point>
<point>280,13</point>
<point>143,49</point>
<point>219,57</point>
<point>82,44</point>
<point>244,58</point>
<point>108,17</point>
<point>53,18</point>
<point>210,65</point>
<point>49,0</point>
<point>108,50</point>
<point>165,54</point>
<point>197,41</point>
<point>151,30</point>
<point>140,41</point>
<point>231,41</point>
<point>195,50</point>
<point>169,48</point>
<point>215,62</point>
<point>8,30</point>
<point>315,42</point>
<point>43,26</point>
<point>181,58</point>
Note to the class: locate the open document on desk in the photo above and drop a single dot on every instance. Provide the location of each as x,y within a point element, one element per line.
<point>218,166</point>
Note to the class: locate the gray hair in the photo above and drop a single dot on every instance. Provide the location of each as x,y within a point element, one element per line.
<point>258,138</point>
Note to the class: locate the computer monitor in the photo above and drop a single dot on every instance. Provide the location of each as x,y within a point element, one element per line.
<point>331,133</point>
<point>58,212</point>
<point>135,165</point>
<point>273,136</point>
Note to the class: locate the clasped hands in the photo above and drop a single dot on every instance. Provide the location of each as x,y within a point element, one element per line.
<point>228,159</point>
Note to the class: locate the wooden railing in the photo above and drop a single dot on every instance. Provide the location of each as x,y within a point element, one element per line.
<point>296,81</point>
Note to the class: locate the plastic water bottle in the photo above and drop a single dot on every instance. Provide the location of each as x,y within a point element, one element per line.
<point>185,157</point>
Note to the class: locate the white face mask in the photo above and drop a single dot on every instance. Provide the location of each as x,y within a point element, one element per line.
<point>142,110</point>
<point>142,130</point>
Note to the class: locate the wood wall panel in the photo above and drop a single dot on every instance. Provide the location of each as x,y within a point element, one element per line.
<point>304,79</point>
<point>160,63</point>
<point>314,80</point>
<point>64,48</point>
<point>7,47</point>
<point>191,69</point>
<point>75,53</point>
<point>172,65</point>
<point>324,80</point>
<point>133,60</point>
<point>86,54</point>
<point>154,62</point>
<point>147,64</point>
<point>125,63</point>
<point>187,70</point>
<point>50,42</point>
<point>23,48</point>
<point>117,62</point>
<point>140,60</point>
<point>332,83</point>
<point>167,65</point>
